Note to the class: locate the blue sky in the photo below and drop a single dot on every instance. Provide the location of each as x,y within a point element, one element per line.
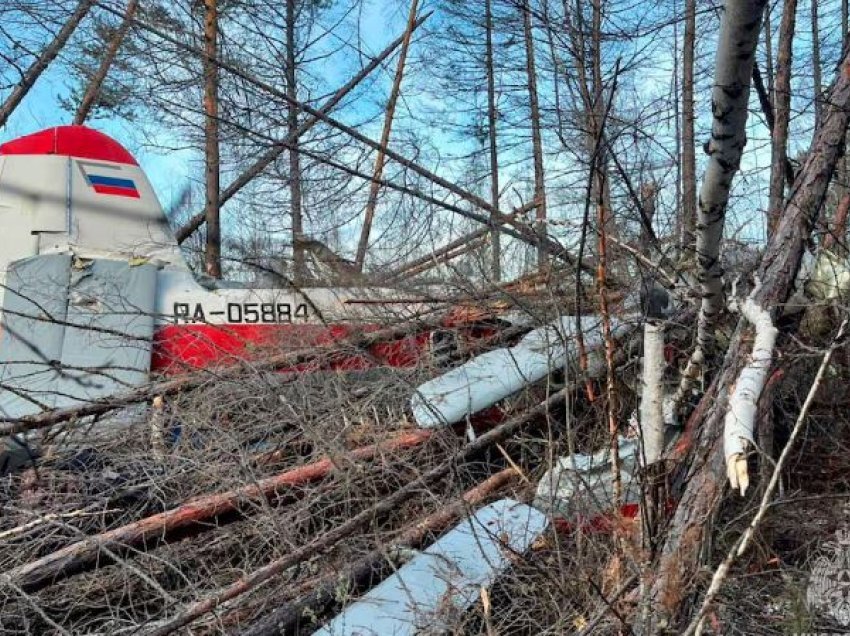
<point>168,171</point>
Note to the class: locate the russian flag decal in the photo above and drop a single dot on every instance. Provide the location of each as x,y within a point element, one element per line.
<point>113,185</point>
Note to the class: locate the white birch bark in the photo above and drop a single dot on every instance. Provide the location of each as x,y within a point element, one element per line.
<point>739,423</point>
<point>652,394</point>
<point>736,45</point>
<point>779,268</point>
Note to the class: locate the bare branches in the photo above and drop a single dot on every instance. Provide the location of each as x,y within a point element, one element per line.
<point>44,59</point>
<point>96,83</point>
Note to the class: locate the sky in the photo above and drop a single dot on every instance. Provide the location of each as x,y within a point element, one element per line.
<point>380,21</point>
<point>167,171</point>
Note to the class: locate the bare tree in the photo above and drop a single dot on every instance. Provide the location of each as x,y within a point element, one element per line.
<point>536,140</point>
<point>295,201</point>
<point>211,154</point>
<point>389,114</point>
<point>816,62</point>
<point>689,166</point>
<point>492,136</point>
<point>96,83</point>
<point>781,113</point>
<point>31,75</point>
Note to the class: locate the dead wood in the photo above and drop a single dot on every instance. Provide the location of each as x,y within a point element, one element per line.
<point>389,115</point>
<point>361,576</point>
<point>446,252</point>
<point>70,559</point>
<point>324,542</point>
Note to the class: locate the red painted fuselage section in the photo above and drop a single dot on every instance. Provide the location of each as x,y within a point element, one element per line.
<point>180,348</point>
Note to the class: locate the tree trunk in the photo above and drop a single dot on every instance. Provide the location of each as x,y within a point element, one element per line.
<point>298,263</point>
<point>516,229</point>
<point>816,62</point>
<point>689,162</point>
<point>845,24</point>
<point>781,113</point>
<point>536,140</point>
<point>495,236</point>
<point>375,187</point>
<point>603,182</point>
<point>212,257</point>
<point>737,41</point>
<point>93,90</point>
<point>275,151</point>
<point>31,75</point>
<point>768,53</point>
<point>778,271</point>
<point>836,237</point>
<point>324,542</point>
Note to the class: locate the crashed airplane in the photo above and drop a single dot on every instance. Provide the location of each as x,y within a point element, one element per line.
<point>97,298</point>
<point>96,294</point>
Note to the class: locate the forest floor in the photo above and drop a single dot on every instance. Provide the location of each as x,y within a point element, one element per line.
<point>233,434</point>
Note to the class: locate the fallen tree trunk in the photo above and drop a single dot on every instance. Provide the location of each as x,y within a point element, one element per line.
<point>328,540</point>
<point>57,565</point>
<point>444,253</point>
<point>288,618</point>
<point>777,272</point>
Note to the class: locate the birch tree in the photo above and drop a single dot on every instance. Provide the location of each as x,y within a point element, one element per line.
<point>739,32</point>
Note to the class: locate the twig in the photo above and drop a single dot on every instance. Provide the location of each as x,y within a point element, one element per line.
<point>48,518</point>
<point>326,541</point>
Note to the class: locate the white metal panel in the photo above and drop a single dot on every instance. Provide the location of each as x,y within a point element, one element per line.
<point>32,334</point>
<point>495,375</point>
<point>445,579</point>
<point>179,294</point>
<point>112,302</point>
<point>36,186</point>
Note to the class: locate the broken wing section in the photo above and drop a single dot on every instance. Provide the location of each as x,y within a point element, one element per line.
<point>73,331</point>
<point>495,375</point>
<point>437,585</point>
